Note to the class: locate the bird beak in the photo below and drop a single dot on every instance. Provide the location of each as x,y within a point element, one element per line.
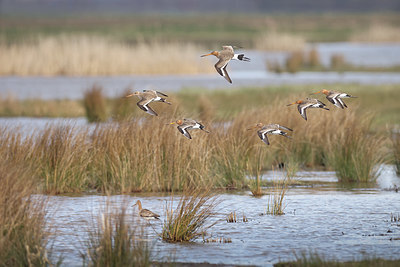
<point>171,123</point>
<point>291,104</point>
<point>206,55</point>
<point>251,128</point>
<point>129,95</point>
<point>315,93</point>
<point>134,205</point>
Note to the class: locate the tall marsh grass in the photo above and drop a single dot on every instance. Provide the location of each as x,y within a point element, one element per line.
<point>23,233</point>
<point>146,154</point>
<point>93,55</point>
<point>189,219</point>
<point>396,151</point>
<point>376,33</point>
<point>355,153</point>
<point>95,104</point>
<point>114,241</point>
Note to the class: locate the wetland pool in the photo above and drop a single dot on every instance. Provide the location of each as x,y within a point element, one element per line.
<point>338,223</point>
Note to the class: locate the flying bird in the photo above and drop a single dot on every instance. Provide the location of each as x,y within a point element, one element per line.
<point>274,129</point>
<point>335,97</point>
<point>225,55</point>
<point>188,124</point>
<point>148,96</point>
<point>303,105</point>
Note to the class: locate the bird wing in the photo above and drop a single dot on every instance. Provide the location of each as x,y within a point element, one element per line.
<point>228,48</point>
<point>203,128</point>
<point>263,136</point>
<point>341,102</point>
<point>285,128</point>
<point>148,213</point>
<point>158,92</point>
<point>226,75</point>
<point>333,98</point>
<point>143,105</point>
<point>222,62</point>
<point>184,131</point>
<point>302,110</point>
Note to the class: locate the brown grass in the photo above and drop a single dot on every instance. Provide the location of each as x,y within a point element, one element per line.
<point>92,55</point>
<point>113,241</point>
<point>189,219</point>
<point>276,41</point>
<point>146,154</point>
<point>95,104</point>
<point>377,33</point>
<point>23,236</point>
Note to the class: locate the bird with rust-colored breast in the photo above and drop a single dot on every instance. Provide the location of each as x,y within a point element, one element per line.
<point>275,129</point>
<point>225,56</point>
<point>148,96</point>
<point>145,213</point>
<point>303,105</point>
<point>335,97</point>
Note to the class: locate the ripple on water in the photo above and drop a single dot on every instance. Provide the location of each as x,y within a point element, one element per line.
<point>343,224</point>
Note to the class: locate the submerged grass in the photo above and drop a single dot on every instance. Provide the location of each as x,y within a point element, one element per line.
<point>189,219</point>
<point>113,241</point>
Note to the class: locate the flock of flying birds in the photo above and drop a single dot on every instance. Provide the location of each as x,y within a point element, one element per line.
<point>224,57</point>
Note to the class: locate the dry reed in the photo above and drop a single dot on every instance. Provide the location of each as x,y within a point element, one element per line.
<point>113,241</point>
<point>275,205</point>
<point>396,150</point>
<point>377,32</point>
<point>23,236</point>
<point>94,55</point>
<point>189,219</point>
<point>95,104</point>
<point>275,41</point>
<point>145,154</point>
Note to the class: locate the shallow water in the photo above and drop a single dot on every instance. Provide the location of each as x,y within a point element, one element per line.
<point>243,74</point>
<point>338,223</point>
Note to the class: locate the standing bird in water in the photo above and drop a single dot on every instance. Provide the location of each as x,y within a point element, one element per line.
<point>335,97</point>
<point>148,96</point>
<point>270,129</point>
<point>145,213</point>
<point>188,124</point>
<point>224,56</point>
<point>308,103</point>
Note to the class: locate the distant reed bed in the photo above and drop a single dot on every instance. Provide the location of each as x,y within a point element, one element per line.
<point>94,55</point>
<point>277,41</point>
<point>377,33</point>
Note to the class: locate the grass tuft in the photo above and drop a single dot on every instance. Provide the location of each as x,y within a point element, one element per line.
<point>115,242</point>
<point>188,220</point>
<point>95,104</point>
<point>23,236</point>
